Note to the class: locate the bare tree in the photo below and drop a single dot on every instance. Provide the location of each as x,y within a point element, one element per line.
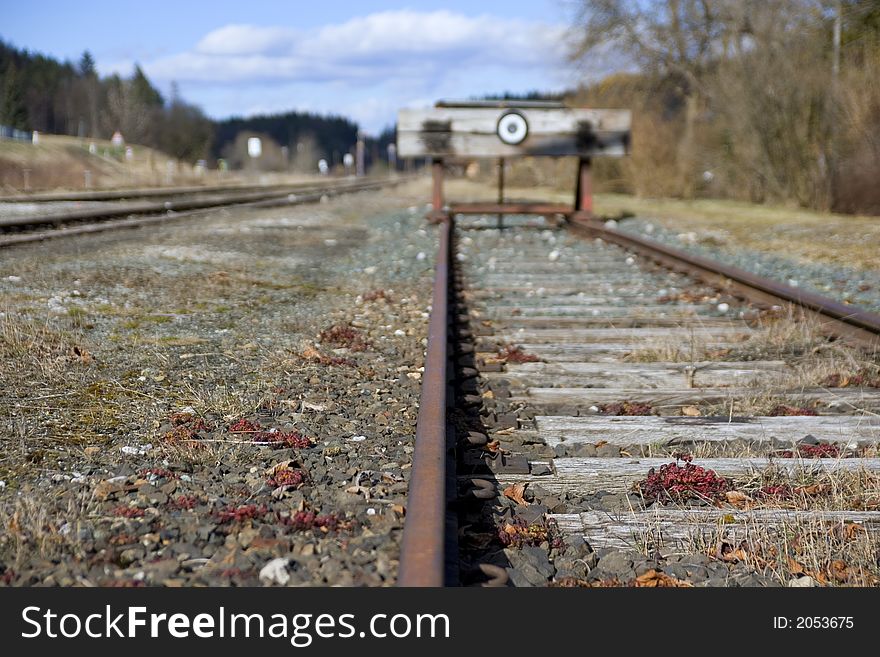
<point>680,39</point>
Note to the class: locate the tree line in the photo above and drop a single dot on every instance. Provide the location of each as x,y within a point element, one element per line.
<point>761,100</point>
<point>41,93</point>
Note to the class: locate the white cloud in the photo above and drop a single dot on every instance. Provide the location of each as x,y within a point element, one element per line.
<point>246,40</point>
<point>401,43</point>
<point>368,66</point>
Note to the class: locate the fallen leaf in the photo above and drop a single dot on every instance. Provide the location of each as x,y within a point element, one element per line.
<point>656,578</point>
<point>795,567</point>
<point>84,356</point>
<point>815,489</point>
<point>690,411</point>
<point>839,570</point>
<point>852,529</point>
<point>601,443</point>
<point>737,498</point>
<point>515,493</point>
<point>494,446</point>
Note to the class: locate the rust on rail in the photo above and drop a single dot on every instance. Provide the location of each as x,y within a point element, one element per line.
<point>422,555</point>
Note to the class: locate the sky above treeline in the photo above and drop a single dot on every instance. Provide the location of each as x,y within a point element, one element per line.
<point>364,60</point>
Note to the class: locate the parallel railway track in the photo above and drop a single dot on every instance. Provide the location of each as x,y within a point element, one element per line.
<point>564,367</point>
<point>33,228</point>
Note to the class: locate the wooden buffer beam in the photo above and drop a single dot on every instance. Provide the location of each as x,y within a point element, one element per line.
<point>510,129</point>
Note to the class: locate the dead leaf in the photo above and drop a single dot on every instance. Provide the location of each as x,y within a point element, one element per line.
<point>493,447</point>
<point>815,489</point>
<point>838,570</point>
<point>690,411</point>
<point>600,444</point>
<point>515,493</point>
<point>488,395</point>
<point>737,498</point>
<point>281,465</point>
<point>84,356</point>
<point>658,579</point>
<point>852,529</point>
<point>105,489</point>
<point>794,567</point>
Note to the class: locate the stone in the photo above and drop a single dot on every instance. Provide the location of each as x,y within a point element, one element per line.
<point>585,450</point>
<point>531,564</point>
<point>802,582</point>
<point>614,564</point>
<point>532,513</point>
<point>608,451</point>
<point>275,572</point>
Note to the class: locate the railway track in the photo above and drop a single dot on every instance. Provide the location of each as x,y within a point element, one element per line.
<point>601,410</point>
<point>32,228</point>
<point>140,192</point>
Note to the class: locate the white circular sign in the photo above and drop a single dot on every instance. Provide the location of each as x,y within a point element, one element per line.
<point>512,128</point>
<point>348,160</point>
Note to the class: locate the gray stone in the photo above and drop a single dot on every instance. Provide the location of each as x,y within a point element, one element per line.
<point>585,450</point>
<point>532,513</point>
<point>615,564</point>
<point>676,570</point>
<point>532,563</point>
<point>608,451</point>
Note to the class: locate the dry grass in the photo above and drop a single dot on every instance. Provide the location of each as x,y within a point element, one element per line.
<point>809,236</point>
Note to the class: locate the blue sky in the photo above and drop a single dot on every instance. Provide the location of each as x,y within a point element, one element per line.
<point>360,59</point>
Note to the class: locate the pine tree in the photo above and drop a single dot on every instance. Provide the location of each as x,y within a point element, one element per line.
<point>13,112</point>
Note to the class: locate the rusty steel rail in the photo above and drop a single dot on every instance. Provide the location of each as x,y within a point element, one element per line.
<point>422,552</point>
<point>105,221</point>
<point>834,318</point>
<point>183,205</point>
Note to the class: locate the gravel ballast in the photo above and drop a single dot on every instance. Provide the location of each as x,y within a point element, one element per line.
<point>227,401</point>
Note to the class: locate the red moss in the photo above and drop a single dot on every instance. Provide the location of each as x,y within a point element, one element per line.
<point>184,502</point>
<point>310,521</point>
<point>181,419</point>
<point>286,477</point>
<point>860,378</point>
<point>780,491</point>
<point>822,451</point>
<point>341,335</point>
<point>783,410</point>
<point>280,439</point>
<point>162,473</point>
<point>179,434</point>
<point>626,408</point>
<point>673,482</point>
<point>244,426</point>
<point>331,361</point>
<point>188,420</point>
<point>128,512</point>
<point>513,354</point>
<point>240,513</point>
